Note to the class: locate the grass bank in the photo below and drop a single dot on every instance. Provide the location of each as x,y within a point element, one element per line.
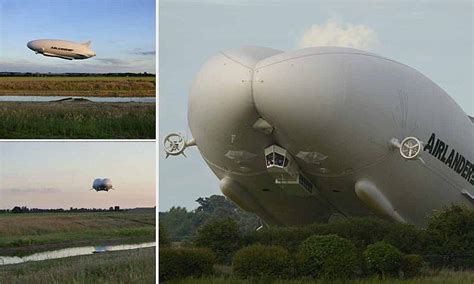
<point>77,120</point>
<point>443,276</point>
<point>134,266</point>
<point>24,234</point>
<point>78,86</point>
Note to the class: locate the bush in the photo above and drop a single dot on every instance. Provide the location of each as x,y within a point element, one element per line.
<point>451,238</point>
<point>262,261</point>
<point>289,238</point>
<point>327,256</point>
<point>163,239</point>
<point>411,265</point>
<point>383,259</point>
<point>177,263</point>
<point>222,237</point>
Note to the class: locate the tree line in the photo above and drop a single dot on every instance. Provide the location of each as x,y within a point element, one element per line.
<point>24,209</point>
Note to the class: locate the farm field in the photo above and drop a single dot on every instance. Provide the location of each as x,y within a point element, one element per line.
<point>86,86</point>
<point>77,120</point>
<point>27,233</point>
<point>134,266</point>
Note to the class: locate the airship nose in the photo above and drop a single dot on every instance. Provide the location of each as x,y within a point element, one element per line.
<point>33,45</point>
<point>221,108</point>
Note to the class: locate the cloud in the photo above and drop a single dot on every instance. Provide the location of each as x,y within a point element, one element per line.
<point>31,190</point>
<point>337,33</point>
<point>152,52</point>
<point>112,61</point>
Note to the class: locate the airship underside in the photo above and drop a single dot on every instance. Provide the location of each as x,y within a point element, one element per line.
<point>299,136</point>
<point>102,184</point>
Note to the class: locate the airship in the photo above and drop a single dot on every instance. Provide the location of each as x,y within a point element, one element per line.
<point>61,48</point>
<point>300,136</point>
<point>102,184</point>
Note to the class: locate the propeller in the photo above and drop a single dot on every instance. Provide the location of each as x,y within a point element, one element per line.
<point>175,144</point>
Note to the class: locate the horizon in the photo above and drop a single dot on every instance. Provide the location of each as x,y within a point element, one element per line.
<point>65,179</point>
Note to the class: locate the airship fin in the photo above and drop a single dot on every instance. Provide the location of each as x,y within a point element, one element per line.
<point>88,44</point>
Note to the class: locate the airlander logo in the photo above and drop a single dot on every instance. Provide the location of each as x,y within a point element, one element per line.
<point>454,160</point>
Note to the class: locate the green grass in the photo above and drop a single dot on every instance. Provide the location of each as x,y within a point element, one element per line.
<point>77,120</point>
<point>134,266</point>
<point>78,86</point>
<point>23,234</point>
<point>444,276</point>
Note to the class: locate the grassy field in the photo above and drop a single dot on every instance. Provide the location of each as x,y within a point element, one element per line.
<point>24,234</point>
<point>78,86</point>
<point>134,266</point>
<point>444,276</point>
<point>77,120</point>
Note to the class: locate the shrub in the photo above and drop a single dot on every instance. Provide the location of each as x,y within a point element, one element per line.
<point>289,238</point>
<point>163,239</point>
<point>222,237</point>
<point>177,263</point>
<point>383,259</point>
<point>451,238</point>
<point>327,256</point>
<point>411,265</point>
<point>262,261</point>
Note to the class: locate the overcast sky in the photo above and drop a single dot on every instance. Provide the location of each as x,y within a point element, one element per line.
<point>434,37</point>
<point>122,34</point>
<point>60,174</point>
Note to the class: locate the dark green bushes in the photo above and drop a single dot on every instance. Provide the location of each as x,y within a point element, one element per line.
<point>262,261</point>
<point>178,263</point>
<point>451,238</point>
<point>411,265</point>
<point>327,257</point>
<point>222,237</point>
<point>383,259</point>
<point>361,231</point>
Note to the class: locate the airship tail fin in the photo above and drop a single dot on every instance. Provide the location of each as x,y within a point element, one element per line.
<point>88,44</point>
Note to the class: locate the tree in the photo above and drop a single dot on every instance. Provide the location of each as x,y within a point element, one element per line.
<point>163,239</point>
<point>16,209</point>
<point>222,237</point>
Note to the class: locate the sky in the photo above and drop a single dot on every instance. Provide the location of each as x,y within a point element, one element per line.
<point>434,37</point>
<point>122,34</point>
<point>60,174</point>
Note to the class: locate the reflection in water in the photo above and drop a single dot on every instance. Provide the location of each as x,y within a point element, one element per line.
<point>92,99</point>
<point>70,252</point>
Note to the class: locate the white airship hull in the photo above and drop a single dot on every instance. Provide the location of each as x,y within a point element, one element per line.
<point>61,49</point>
<point>335,111</point>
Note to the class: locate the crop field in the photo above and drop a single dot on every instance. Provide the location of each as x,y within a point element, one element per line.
<point>78,86</point>
<point>77,120</point>
<point>134,266</point>
<point>24,234</point>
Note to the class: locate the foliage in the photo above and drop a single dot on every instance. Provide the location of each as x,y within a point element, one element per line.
<point>451,237</point>
<point>288,237</point>
<point>411,265</point>
<point>262,261</point>
<point>163,239</point>
<point>177,263</point>
<point>383,259</point>
<point>361,231</point>
<point>222,237</point>
<point>183,224</point>
<point>327,257</point>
